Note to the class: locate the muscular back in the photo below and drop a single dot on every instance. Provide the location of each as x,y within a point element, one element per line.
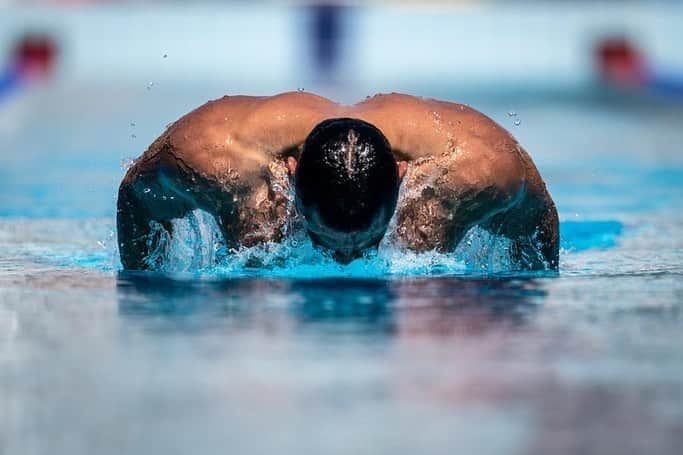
<point>229,157</point>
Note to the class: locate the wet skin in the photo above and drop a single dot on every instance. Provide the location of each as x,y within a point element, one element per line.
<point>235,157</point>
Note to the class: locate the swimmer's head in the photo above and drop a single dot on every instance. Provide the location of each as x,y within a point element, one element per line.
<point>347,183</point>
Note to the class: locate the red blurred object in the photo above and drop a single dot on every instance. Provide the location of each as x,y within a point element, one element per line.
<point>620,62</point>
<point>34,57</point>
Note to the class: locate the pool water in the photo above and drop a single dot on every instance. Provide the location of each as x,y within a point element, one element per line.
<point>392,354</point>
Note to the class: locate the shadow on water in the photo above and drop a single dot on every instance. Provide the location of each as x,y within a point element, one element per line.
<point>433,306</point>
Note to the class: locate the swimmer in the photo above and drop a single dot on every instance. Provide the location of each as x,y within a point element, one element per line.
<point>240,158</point>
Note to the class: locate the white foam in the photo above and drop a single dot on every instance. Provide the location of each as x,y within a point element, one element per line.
<point>197,246</point>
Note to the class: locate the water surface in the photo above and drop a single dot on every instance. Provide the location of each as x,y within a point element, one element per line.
<point>432,354</point>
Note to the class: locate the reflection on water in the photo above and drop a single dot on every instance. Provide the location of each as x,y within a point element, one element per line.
<point>372,306</point>
<point>490,364</point>
<point>148,363</point>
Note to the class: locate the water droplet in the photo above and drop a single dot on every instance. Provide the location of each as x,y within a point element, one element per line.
<point>126,163</point>
<point>146,190</point>
<point>132,123</point>
<point>300,89</point>
<point>150,85</point>
<point>512,114</point>
<point>163,198</point>
<point>517,122</point>
<point>133,136</point>
<point>165,56</point>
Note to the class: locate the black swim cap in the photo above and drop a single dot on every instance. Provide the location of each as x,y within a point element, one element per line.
<point>346,185</point>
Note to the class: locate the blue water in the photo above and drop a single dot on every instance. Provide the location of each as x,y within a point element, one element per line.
<point>280,349</point>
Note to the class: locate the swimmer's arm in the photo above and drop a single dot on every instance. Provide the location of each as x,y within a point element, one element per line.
<point>159,188</point>
<point>146,195</point>
<point>473,174</point>
<point>446,197</point>
<point>202,149</point>
<point>517,208</point>
<point>501,190</point>
<point>532,225</point>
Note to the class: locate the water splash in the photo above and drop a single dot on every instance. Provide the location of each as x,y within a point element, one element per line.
<point>197,248</point>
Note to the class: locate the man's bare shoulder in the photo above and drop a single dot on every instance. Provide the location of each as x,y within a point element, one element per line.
<point>299,100</point>
<point>242,132</point>
<point>421,127</point>
<point>241,107</point>
<point>259,108</point>
<point>405,102</point>
<point>453,115</point>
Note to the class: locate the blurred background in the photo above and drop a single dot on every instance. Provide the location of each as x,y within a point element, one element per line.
<point>367,46</point>
<point>86,84</point>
